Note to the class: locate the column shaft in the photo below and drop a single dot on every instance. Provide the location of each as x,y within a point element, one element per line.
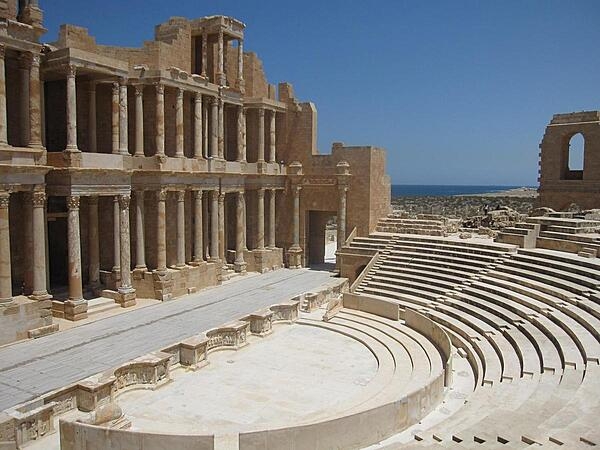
<point>296,235</point>
<point>214,226</point>
<point>5,270</point>
<point>180,229</point>
<point>260,220</point>
<point>139,120</point>
<point>123,125</point>
<point>204,54</point>
<point>115,118</point>
<point>35,106</point>
<point>272,137</point>
<point>161,231</point>
<point>140,235</point>
<point>198,228</point>
<point>220,60</point>
<point>198,138</point>
<point>240,75</point>
<point>272,218</point>
<point>241,134</point>
<point>94,242</point>
<point>179,124</point>
<point>221,130</point>
<point>160,120</point>
<point>214,128</point>
<point>24,97</point>
<point>222,228</point>
<point>261,135</point>
<point>92,135</point>
<point>71,110</point>
<point>124,201</point>
<point>116,236</point>
<point>74,250</point>
<point>3,117</point>
<point>240,240</point>
<point>341,219</point>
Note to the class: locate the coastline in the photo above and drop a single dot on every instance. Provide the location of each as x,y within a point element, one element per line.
<point>523,192</point>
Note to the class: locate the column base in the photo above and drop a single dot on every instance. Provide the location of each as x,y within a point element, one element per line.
<point>126,297</point>
<point>261,167</point>
<point>163,285</point>
<point>40,296</point>
<point>294,257</point>
<point>72,156</point>
<point>196,263</point>
<point>240,267</point>
<point>76,309</point>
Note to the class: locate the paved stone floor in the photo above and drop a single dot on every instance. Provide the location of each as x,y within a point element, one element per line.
<point>31,368</point>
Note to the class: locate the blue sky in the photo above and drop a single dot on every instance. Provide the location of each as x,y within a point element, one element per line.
<point>458,92</point>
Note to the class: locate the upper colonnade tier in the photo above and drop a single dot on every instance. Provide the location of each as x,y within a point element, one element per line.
<point>213,24</point>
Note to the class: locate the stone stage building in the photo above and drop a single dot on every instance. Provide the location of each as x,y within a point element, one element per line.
<point>160,170</point>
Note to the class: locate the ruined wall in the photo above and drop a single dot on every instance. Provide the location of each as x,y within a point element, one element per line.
<point>254,76</point>
<point>8,9</point>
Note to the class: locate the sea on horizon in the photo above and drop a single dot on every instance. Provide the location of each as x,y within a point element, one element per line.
<point>439,190</point>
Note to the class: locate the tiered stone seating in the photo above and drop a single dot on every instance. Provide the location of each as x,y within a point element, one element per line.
<point>397,223</point>
<point>527,322</point>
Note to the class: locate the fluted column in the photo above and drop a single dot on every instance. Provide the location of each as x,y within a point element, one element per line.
<point>39,246</point>
<point>179,124</point>
<point>341,218</point>
<point>139,120</point>
<point>261,135</point>
<point>92,133</point>
<point>198,241</point>
<point>71,110</point>
<point>140,234</point>
<point>93,242</point>
<point>35,105</point>
<point>214,226</point>
<point>161,231</point>
<point>198,138</point>
<point>240,228</point>
<point>180,229</point>
<point>3,117</point>
<point>5,271</point>
<point>205,130</point>
<point>241,134</point>
<point>214,128</point>
<point>125,287</point>
<point>240,75</point>
<point>272,218</point>
<point>222,228</point>
<point>116,237</point>
<point>220,60</point>
<point>272,136</point>
<point>260,220</point>
<point>204,54</point>
<point>221,119</point>
<point>160,120</point>
<point>74,250</point>
<point>123,125</point>
<point>115,118</point>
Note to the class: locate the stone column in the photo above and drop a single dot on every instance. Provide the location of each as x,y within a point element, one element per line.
<point>140,235</point>
<point>161,231</point>
<point>198,241</point>
<point>35,103</point>
<point>240,228</point>
<point>295,251</point>
<point>126,293</point>
<point>221,119</point>
<point>39,246</point>
<point>160,120</point>
<point>220,59</point>
<point>214,226</point>
<point>214,128</point>
<point>115,119</point>
<point>272,197</point>
<point>24,71</point>
<point>272,137</point>
<point>123,125</point>
<point>204,54</point>
<point>116,269</point>
<point>92,135</point>
<point>241,134</point>
<point>71,110</point>
<point>75,306</point>
<point>139,120</point>
<point>205,130</point>
<point>261,135</point>
<point>260,220</point>
<point>240,76</point>
<point>5,271</point>
<point>3,117</point>
<point>94,243</point>
<point>198,138</point>
<point>180,229</point>
<point>179,124</point>
<point>341,217</point>
<point>222,228</point>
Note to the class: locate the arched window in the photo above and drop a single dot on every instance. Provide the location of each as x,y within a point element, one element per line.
<point>574,159</point>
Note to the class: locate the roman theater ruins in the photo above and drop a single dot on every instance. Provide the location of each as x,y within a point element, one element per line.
<point>180,268</point>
